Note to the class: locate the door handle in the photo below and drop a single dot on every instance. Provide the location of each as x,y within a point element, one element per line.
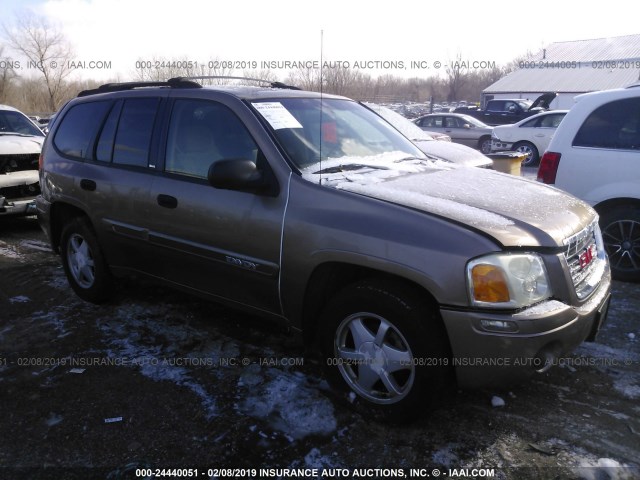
<point>167,201</point>
<point>88,185</point>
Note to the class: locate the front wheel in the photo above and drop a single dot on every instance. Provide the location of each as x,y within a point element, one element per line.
<point>83,262</point>
<point>621,235</point>
<point>387,345</point>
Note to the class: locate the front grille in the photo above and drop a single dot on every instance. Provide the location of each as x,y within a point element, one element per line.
<point>19,162</point>
<point>584,259</point>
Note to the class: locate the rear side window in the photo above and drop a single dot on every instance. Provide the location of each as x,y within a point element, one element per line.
<point>615,125</point>
<point>496,106</point>
<point>432,122</point>
<point>135,127</point>
<point>79,127</point>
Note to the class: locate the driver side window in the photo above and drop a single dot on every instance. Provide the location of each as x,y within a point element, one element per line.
<point>202,132</point>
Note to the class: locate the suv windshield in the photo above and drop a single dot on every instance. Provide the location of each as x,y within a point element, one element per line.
<point>15,122</point>
<point>313,130</point>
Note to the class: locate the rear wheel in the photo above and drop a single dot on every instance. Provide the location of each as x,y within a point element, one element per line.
<point>387,345</point>
<point>621,234</point>
<point>83,262</point>
<point>531,152</point>
<point>484,144</point>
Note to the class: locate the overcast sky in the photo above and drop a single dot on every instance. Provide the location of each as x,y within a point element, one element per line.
<point>397,32</point>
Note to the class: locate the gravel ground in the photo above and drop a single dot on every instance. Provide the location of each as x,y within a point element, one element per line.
<point>157,379</point>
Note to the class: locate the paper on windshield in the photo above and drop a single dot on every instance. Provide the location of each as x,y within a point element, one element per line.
<point>277,115</point>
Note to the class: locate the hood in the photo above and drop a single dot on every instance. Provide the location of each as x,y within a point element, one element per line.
<point>455,153</point>
<point>514,211</point>
<point>20,144</point>
<point>543,101</point>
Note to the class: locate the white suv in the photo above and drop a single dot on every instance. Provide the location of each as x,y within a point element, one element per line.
<point>595,155</point>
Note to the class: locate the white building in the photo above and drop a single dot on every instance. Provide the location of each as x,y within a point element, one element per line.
<point>572,68</point>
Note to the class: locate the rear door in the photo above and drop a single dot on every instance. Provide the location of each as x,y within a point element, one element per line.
<point>454,127</point>
<point>110,142</point>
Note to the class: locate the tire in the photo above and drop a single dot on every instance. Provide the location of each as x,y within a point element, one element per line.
<point>382,341</point>
<point>484,145</point>
<point>528,148</point>
<point>84,263</point>
<point>621,234</point>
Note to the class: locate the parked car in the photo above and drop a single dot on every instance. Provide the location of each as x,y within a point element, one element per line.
<point>595,155</point>
<point>447,151</point>
<point>461,128</point>
<point>530,136</point>
<point>311,210</point>
<point>502,111</point>
<point>20,145</point>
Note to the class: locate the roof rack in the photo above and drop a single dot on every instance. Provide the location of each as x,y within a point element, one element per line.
<point>225,77</point>
<point>177,82</point>
<point>117,87</point>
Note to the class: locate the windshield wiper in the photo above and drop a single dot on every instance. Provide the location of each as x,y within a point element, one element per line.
<point>349,167</point>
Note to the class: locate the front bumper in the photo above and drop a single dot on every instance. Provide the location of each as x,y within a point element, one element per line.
<point>500,146</point>
<point>20,207</point>
<point>491,349</point>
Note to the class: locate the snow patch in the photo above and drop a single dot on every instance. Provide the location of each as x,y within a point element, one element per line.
<point>56,318</point>
<point>497,401</point>
<point>291,405</point>
<point>36,245</point>
<point>628,385</point>
<point>315,459</point>
<point>20,299</point>
<point>446,456</point>
<point>147,342</point>
<point>53,420</point>
<point>604,469</point>
<point>542,309</point>
<point>10,253</point>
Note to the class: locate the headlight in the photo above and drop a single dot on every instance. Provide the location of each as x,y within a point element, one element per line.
<point>503,280</point>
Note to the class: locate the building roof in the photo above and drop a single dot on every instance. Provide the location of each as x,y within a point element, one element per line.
<point>564,80</point>
<point>626,47</point>
<point>576,66</point>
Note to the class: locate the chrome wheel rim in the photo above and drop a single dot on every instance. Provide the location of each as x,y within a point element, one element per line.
<point>485,147</point>
<point>374,358</point>
<point>80,261</point>
<point>528,151</point>
<point>622,243</point>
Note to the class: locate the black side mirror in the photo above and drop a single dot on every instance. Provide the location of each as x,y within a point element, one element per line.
<point>241,174</point>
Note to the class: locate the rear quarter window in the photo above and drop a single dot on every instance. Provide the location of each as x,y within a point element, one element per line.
<point>614,125</point>
<point>133,137</point>
<point>78,128</point>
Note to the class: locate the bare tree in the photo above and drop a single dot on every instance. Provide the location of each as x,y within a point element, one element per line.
<point>7,74</point>
<point>46,50</point>
<point>305,78</point>
<point>456,77</point>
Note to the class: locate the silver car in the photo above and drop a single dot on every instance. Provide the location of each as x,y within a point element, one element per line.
<point>461,128</point>
<point>404,274</point>
<point>424,140</point>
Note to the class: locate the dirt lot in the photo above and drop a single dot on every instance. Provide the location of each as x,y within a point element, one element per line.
<point>157,379</point>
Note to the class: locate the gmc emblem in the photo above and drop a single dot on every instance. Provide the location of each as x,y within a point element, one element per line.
<point>586,257</point>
